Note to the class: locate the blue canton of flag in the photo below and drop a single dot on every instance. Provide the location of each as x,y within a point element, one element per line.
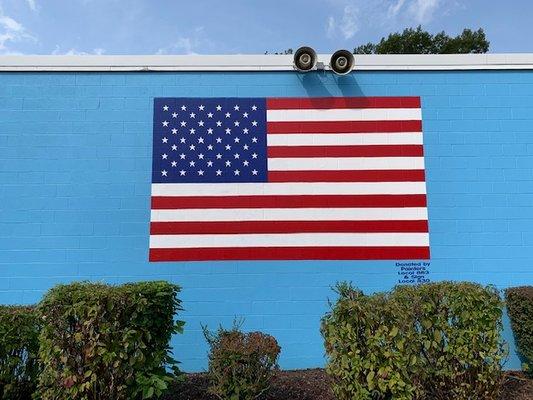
<point>199,140</point>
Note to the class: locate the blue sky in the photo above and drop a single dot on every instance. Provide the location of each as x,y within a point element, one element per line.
<point>245,26</point>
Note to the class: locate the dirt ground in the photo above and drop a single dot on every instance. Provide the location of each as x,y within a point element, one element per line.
<point>313,384</point>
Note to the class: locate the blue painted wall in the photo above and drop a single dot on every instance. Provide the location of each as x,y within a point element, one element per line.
<point>75,170</point>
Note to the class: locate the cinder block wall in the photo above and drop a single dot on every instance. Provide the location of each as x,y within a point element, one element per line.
<point>75,170</point>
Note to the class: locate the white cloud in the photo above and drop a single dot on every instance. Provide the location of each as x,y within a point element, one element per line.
<point>351,16</point>
<point>195,43</point>
<point>32,5</point>
<point>395,8</point>
<point>11,31</point>
<point>75,52</point>
<point>350,22</point>
<point>422,11</point>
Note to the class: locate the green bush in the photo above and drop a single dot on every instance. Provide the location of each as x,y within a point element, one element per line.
<point>107,342</point>
<point>240,364</point>
<point>435,341</point>
<point>520,309</point>
<point>19,347</point>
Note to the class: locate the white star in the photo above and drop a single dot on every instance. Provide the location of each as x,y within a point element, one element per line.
<point>219,156</point>
<point>236,140</point>
<point>219,123</point>
<point>174,147</point>
<point>192,147</point>
<point>174,115</point>
<point>245,163</point>
<point>200,139</point>
<point>236,155</point>
<point>192,163</point>
<point>201,107</point>
<point>254,155</point>
<point>254,123</point>
<point>174,131</point>
<point>228,131</point>
<point>182,140</point>
<point>210,131</point>
<point>210,163</point>
<point>236,108</point>
<point>254,140</point>
<point>193,115</point>
<point>228,115</point>
<point>254,172</point>
<point>182,156</point>
<point>245,131</point>
<point>164,172</point>
<point>228,163</point>
<point>236,123</point>
<point>236,172</point>
<point>245,147</point>
<point>165,108</point>
<point>219,108</point>
<point>200,172</point>
<point>182,173</point>
<point>165,123</point>
<point>165,140</point>
<point>200,156</point>
<point>183,123</point>
<point>183,108</point>
<point>219,140</point>
<point>228,147</point>
<point>174,163</point>
<point>254,107</point>
<point>209,115</point>
<point>200,123</point>
<point>245,115</point>
<point>219,172</point>
<point>192,130</point>
<point>210,147</point>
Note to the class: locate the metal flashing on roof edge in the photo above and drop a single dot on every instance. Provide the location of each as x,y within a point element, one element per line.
<point>262,62</point>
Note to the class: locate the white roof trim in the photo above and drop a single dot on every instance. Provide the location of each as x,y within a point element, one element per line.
<point>262,62</point>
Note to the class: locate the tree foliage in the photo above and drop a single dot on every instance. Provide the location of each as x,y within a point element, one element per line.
<point>419,41</point>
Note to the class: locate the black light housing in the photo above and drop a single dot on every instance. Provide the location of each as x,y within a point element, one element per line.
<point>305,59</point>
<point>342,62</point>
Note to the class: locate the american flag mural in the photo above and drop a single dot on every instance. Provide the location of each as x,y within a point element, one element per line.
<point>338,178</point>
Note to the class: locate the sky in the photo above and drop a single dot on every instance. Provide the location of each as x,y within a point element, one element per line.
<point>246,26</point>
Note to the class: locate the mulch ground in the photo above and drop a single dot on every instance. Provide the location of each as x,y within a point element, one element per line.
<point>313,384</point>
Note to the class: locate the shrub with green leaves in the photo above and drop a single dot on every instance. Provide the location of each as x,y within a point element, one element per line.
<point>108,342</point>
<point>240,364</point>
<point>435,341</point>
<point>19,347</point>
<point>520,309</point>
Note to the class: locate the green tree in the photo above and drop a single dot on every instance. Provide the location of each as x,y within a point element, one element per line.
<point>419,41</point>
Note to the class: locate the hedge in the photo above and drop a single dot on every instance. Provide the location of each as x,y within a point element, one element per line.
<point>434,341</point>
<point>520,309</point>
<point>241,364</point>
<point>19,346</point>
<point>107,342</point>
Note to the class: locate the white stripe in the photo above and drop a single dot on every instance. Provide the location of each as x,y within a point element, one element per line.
<point>321,139</point>
<point>291,214</point>
<point>345,163</point>
<point>290,240</point>
<point>345,114</point>
<point>299,188</point>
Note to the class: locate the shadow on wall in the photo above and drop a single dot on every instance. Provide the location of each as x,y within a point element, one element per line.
<point>318,84</point>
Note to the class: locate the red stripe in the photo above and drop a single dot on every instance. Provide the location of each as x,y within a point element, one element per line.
<point>290,253</point>
<point>284,103</point>
<point>304,201</point>
<point>344,126</point>
<point>346,151</point>
<point>224,227</point>
<point>415,175</point>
